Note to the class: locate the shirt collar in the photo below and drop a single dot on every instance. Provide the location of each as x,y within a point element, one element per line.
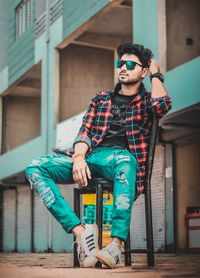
<point>138,96</point>
<point>141,93</point>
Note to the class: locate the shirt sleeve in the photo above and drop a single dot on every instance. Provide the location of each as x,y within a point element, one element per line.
<point>87,122</point>
<point>161,105</point>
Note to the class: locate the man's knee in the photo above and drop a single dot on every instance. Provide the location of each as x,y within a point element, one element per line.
<point>33,175</point>
<point>33,171</point>
<point>44,191</point>
<point>127,159</point>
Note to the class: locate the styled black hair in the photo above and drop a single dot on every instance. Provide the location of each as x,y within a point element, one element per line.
<point>144,54</point>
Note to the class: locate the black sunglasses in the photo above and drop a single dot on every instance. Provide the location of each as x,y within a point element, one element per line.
<point>130,65</point>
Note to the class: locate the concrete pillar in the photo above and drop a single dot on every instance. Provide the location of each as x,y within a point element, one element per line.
<point>149,27</point>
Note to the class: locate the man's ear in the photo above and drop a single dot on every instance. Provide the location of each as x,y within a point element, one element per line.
<point>145,72</point>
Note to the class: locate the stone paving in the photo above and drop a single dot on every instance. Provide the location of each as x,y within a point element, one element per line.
<point>60,265</point>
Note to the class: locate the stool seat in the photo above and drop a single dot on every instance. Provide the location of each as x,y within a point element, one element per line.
<point>93,183</point>
<point>105,183</point>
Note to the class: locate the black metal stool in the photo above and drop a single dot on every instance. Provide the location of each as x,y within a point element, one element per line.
<point>99,185</point>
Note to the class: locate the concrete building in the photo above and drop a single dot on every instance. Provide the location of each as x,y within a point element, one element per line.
<point>54,56</point>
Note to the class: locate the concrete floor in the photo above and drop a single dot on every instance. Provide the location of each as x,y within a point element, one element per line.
<point>59,265</point>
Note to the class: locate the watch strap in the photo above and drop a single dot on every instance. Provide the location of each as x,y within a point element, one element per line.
<point>157,75</point>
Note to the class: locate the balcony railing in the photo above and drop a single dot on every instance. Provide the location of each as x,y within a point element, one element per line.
<point>56,10</point>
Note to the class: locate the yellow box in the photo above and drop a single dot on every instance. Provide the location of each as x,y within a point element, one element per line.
<point>90,199</point>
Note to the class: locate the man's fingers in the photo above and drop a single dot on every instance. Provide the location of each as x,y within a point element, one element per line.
<point>80,178</point>
<point>75,177</point>
<point>83,172</point>
<point>88,172</point>
<point>80,173</point>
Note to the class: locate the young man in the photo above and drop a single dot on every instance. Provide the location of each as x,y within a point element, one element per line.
<point>112,142</point>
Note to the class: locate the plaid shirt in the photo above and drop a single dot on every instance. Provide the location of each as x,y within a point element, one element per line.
<point>139,117</point>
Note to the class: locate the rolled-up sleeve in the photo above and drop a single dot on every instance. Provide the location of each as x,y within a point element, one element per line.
<point>161,105</point>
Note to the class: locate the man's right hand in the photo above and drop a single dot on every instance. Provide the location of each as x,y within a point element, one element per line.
<point>80,171</point>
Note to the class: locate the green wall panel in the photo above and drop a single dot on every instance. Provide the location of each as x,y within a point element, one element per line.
<point>77,12</point>
<point>17,159</point>
<point>145,24</point>
<point>20,50</point>
<point>184,85</point>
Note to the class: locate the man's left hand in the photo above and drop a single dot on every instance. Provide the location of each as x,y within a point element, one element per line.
<point>154,67</point>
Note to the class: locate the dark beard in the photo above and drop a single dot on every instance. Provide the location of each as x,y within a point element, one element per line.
<point>131,82</point>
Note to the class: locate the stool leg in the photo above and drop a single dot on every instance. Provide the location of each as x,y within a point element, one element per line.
<point>99,214</point>
<point>148,206</point>
<point>77,211</point>
<point>127,255</point>
<point>149,227</point>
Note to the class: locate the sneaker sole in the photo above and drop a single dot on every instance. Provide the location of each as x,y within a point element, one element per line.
<point>90,262</point>
<point>103,260</point>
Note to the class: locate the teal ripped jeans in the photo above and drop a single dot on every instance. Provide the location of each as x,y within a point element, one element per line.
<point>115,164</point>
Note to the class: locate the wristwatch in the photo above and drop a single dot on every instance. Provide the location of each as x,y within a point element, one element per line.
<point>157,75</point>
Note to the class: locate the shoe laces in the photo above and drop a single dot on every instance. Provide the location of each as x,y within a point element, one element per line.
<point>82,247</point>
<point>80,250</point>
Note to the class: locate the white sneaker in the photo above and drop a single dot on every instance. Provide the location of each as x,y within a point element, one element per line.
<point>110,255</point>
<point>87,246</point>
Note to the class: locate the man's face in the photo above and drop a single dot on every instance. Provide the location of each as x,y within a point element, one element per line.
<point>131,76</point>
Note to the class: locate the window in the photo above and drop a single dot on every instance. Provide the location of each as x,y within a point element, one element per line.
<point>40,8</point>
<point>23,17</point>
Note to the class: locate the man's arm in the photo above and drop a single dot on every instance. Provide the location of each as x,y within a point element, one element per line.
<point>80,170</point>
<point>81,145</point>
<point>158,89</point>
<point>160,100</point>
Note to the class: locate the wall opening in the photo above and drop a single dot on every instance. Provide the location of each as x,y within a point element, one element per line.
<point>187,186</point>
<point>22,110</point>
<point>85,70</point>
<point>183,36</point>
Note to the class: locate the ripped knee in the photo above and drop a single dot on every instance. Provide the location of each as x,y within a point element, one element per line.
<point>33,170</point>
<point>33,177</point>
<point>42,189</point>
<point>122,158</point>
<point>126,158</point>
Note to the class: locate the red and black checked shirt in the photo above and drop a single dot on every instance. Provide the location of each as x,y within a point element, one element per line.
<point>139,116</point>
